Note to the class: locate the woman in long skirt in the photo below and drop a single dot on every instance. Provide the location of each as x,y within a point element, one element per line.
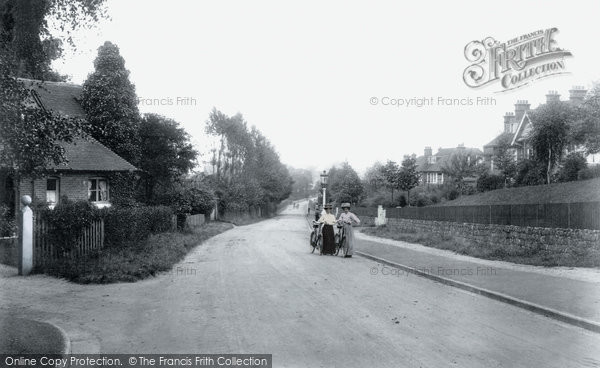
<point>347,218</point>
<point>328,220</point>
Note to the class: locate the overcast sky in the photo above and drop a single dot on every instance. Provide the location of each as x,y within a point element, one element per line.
<point>305,72</point>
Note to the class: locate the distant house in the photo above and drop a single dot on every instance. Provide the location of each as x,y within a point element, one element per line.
<point>87,173</point>
<point>430,165</point>
<point>517,128</point>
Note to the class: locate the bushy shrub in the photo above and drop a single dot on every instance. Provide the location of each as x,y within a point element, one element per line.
<point>530,172</point>
<point>589,173</point>
<point>570,167</point>
<point>66,222</point>
<point>8,225</point>
<point>132,224</point>
<point>487,182</point>
<point>402,202</point>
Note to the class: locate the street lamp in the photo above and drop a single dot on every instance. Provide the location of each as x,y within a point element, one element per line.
<point>324,177</point>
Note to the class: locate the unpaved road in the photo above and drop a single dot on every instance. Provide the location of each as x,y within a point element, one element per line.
<point>256,289</point>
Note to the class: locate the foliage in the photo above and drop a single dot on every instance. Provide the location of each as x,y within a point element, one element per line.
<point>461,165</point>
<point>246,168</point>
<point>166,153</point>
<point>302,183</point>
<point>67,221</point>
<point>133,224</point>
<point>25,38</point>
<point>110,103</point>
<point>345,185</point>
<point>571,166</point>
<point>133,261</point>
<point>504,159</point>
<point>487,181</point>
<point>202,199</point>
<point>408,177</point>
<point>550,131</point>
<point>373,179</point>
<point>390,173</point>
<point>123,189</point>
<point>530,172</point>
<point>31,138</point>
<point>586,127</point>
<point>8,226</point>
<point>589,173</point>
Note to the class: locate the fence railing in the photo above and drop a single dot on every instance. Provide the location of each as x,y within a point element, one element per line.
<point>45,250</point>
<point>581,215</point>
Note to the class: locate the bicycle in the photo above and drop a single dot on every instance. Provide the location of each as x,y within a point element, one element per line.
<point>340,240</point>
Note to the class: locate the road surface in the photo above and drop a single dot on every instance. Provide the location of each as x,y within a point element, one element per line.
<point>257,289</point>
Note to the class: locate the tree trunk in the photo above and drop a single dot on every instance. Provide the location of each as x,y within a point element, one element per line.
<point>549,165</point>
<point>408,198</point>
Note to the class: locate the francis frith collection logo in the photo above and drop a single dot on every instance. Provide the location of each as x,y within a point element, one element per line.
<point>516,62</point>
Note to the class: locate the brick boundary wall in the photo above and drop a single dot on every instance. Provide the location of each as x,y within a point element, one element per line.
<point>506,235</point>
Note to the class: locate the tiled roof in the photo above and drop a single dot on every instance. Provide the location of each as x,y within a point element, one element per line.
<point>442,156</point>
<point>57,96</point>
<point>496,141</point>
<point>85,153</point>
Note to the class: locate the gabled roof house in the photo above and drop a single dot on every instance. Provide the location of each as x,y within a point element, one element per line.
<point>517,128</point>
<point>87,173</point>
<point>430,165</point>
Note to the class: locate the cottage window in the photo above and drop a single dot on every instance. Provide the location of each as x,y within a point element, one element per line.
<point>52,190</point>
<point>98,190</point>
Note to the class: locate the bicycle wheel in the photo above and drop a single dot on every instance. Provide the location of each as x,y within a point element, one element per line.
<point>313,241</point>
<point>337,244</point>
<point>320,245</point>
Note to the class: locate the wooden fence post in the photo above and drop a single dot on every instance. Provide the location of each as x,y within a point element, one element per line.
<point>25,237</point>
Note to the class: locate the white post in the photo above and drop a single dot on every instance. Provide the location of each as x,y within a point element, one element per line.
<point>25,237</point>
<point>324,190</point>
<point>381,216</point>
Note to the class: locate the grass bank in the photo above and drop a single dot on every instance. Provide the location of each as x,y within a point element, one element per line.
<point>134,261</point>
<point>537,256</point>
<point>573,191</point>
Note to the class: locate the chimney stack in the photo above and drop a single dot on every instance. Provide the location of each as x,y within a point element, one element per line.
<point>428,151</point>
<point>576,94</point>
<point>552,96</point>
<point>521,107</point>
<point>509,119</point>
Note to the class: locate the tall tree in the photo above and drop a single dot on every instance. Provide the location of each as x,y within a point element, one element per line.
<point>373,178</point>
<point>461,164</point>
<point>166,153</point>
<point>110,103</point>
<point>391,173</point>
<point>551,125</point>
<point>505,160</point>
<point>26,39</point>
<point>303,181</point>
<point>345,184</point>
<point>31,138</point>
<point>408,177</point>
<point>586,128</point>
<point>247,170</point>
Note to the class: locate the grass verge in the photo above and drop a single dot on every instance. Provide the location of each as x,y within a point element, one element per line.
<point>572,256</point>
<point>134,261</point>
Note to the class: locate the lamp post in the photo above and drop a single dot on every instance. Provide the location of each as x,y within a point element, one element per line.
<point>324,177</point>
